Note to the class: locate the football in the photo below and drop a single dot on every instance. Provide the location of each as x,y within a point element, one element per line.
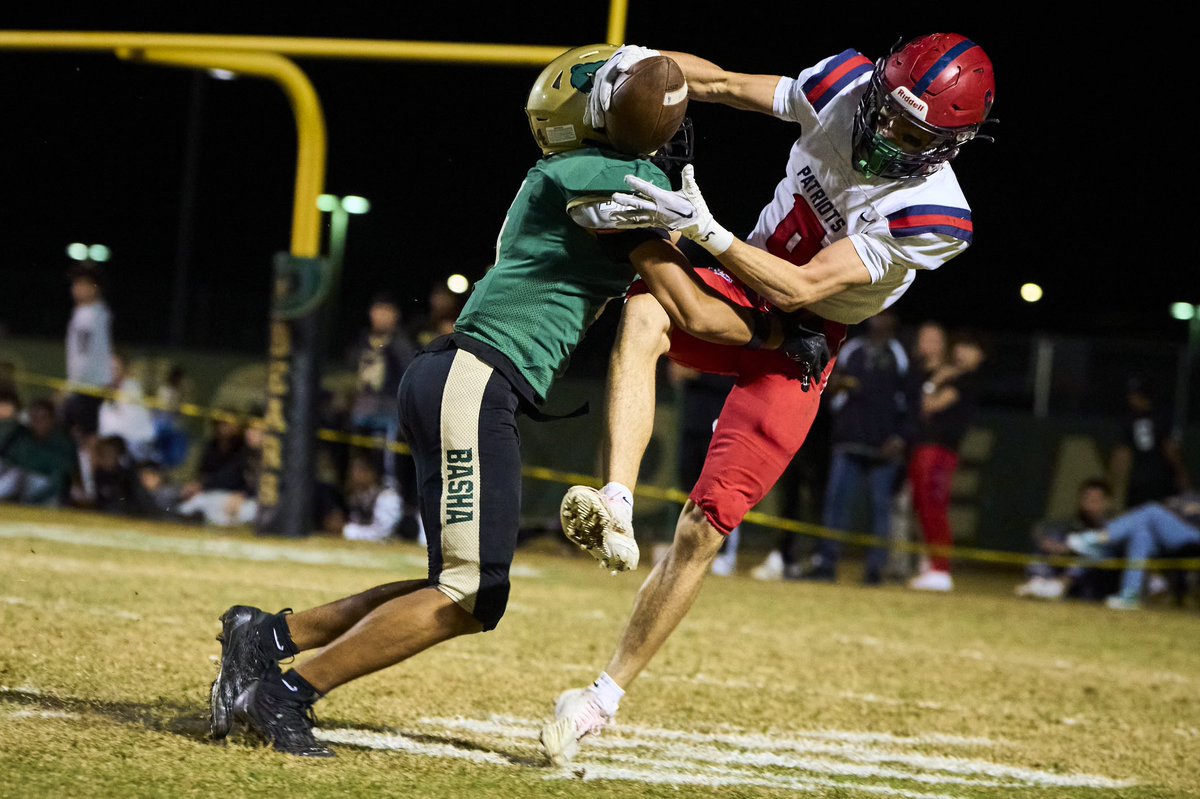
<point>647,106</point>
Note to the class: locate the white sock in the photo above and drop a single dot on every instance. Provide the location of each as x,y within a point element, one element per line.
<point>608,693</point>
<point>617,491</point>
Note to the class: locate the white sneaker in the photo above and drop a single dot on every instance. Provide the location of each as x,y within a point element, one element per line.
<point>932,580</point>
<point>769,569</point>
<point>576,714</point>
<point>601,527</point>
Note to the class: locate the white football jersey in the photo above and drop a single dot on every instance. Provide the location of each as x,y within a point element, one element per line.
<point>897,226</point>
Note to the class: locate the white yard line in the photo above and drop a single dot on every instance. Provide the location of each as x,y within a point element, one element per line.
<point>383,558</point>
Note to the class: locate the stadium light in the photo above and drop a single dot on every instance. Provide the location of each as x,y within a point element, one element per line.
<point>89,253</point>
<point>222,74</point>
<point>1184,311</point>
<point>353,204</point>
<point>1031,292</point>
<point>458,284</point>
<point>339,210</point>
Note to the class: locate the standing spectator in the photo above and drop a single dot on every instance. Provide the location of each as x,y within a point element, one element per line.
<point>944,410</point>
<point>444,307</point>
<point>1094,505</point>
<point>373,507</point>
<point>89,350</point>
<point>125,413</point>
<point>1148,461</point>
<point>37,460</point>
<point>381,356</point>
<point>866,393</point>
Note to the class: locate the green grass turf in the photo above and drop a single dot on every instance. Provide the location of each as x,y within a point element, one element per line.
<point>766,690</point>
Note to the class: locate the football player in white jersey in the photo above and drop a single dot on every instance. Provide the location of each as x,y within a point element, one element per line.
<point>868,199</point>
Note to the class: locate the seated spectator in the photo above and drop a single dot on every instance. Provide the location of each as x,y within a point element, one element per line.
<point>1094,503</point>
<point>1149,531</point>
<point>126,414</point>
<point>223,462</point>
<point>373,508</point>
<point>225,494</point>
<point>37,460</point>
<point>114,480</point>
<point>158,497</point>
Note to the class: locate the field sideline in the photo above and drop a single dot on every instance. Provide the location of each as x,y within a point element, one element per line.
<point>767,690</point>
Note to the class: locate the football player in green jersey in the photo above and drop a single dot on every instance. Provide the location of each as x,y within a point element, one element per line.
<point>459,402</point>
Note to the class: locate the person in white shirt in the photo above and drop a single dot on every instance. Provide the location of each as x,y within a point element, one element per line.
<point>868,199</point>
<point>89,350</point>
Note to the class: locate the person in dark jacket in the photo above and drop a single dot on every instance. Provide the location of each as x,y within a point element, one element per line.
<point>866,398</point>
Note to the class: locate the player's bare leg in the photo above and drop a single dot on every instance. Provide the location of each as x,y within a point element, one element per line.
<point>662,602</point>
<point>319,626</point>
<point>391,633</point>
<point>601,522</point>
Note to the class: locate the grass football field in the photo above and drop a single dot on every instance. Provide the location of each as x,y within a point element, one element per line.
<point>767,690</point>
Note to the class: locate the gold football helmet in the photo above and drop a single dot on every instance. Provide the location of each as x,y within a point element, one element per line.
<point>559,95</point>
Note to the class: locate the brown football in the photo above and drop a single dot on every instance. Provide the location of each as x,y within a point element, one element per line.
<point>647,107</point>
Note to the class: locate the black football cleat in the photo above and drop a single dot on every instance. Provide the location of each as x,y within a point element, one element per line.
<point>242,663</point>
<point>285,723</point>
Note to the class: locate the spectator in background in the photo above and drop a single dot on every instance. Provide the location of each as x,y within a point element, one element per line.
<point>170,439</point>
<point>225,494</point>
<point>1094,505</point>
<point>444,307</point>
<point>125,413</point>
<point>381,357</point>
<point>224,460</point>
<point>89,350</point>
<point>942,411</point>
<point>37,460</point>
<point>866,397</point>
<point>1148,462</point>
<point>1148,531</point>
<point>373,507</point>
<point>113,477</point>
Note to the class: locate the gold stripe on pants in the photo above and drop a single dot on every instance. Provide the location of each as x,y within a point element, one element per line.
<point>462,399</point>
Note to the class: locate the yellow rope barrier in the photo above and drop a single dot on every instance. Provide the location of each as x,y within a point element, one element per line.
<point>651,492</point>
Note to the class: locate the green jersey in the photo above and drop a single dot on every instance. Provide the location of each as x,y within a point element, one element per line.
<point>551,278</point>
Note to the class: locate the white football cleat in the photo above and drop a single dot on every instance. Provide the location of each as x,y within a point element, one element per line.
<point>601,527</point>
<point>932,580</point>
<point>576,714</point>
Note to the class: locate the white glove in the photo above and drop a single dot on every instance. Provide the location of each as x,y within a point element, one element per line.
<point>606,80</point>
<point>684,210</point>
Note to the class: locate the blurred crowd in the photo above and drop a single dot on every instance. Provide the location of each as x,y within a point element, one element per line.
<point>883,451</point>
<point>115,449</point>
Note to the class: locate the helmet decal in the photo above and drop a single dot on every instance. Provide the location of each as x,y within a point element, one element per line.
<point>940,65</point>
<point>915,105</point>
<point>582,75</point>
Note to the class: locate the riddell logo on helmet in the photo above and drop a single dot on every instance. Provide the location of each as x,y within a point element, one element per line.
<point>910,101</point>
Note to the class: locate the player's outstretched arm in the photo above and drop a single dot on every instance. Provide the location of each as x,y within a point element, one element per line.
<point>709,83</point>
<point>667,274</point>
<point>782,283</point>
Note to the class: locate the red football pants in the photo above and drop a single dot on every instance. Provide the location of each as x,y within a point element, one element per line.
<point>930,470</point>
<point>765,418</point>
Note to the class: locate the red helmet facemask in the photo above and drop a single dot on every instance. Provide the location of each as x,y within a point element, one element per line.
<point>925,100</point>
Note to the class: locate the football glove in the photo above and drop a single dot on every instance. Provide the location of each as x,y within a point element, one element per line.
<point>606,80</point>
<point>684,210</point>
<point>806,347</point>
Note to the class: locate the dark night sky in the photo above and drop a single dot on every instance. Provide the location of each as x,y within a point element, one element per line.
<point>93,151</point>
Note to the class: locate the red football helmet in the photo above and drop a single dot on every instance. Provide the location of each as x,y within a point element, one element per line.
<point>926,99</point>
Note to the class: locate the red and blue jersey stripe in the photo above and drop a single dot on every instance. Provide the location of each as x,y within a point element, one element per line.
<point>942,219</point>
<point>842,70</point>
